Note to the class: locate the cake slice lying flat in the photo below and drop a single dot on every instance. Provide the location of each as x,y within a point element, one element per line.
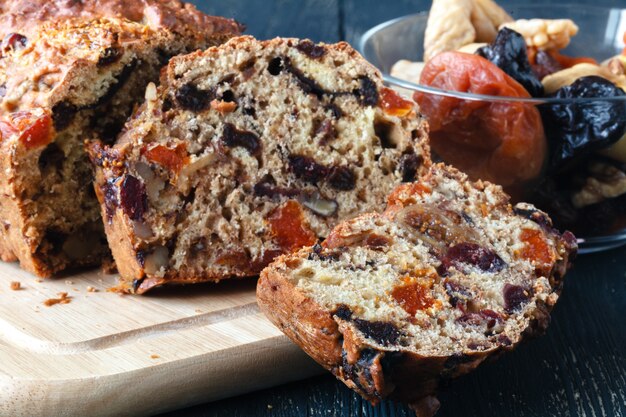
<point>247,151</point>
<point>395,303</point>
<point>71,71</point>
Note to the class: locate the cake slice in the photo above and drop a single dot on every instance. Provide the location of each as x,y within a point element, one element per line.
<point>247,151</point>
<point>394,304</point>
<point>72,71</point>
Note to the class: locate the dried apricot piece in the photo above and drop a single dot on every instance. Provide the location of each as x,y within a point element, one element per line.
<point>289,228</point>
<point>393,104</point>
<point>35,131</point>
<point>502,142</point>
<point>171,158</point>
<point>415,292</point>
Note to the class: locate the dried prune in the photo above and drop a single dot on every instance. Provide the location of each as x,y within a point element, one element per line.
<point>367,93</point>
<point>307,84</point>
<point>508,52</point>
<point>189,97</point>
<point>233,137</point>
<point>342,178</point>
<point>307,169</point>
<point>384,333</point>
<point>578,128</point>
<point>502,142</point>
<point>409,164</point>
<point>310,49</point>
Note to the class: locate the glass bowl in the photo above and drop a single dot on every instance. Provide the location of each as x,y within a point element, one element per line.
<point>599,36</point>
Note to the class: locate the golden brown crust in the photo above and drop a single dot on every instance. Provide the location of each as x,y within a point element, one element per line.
<point>174,15</point>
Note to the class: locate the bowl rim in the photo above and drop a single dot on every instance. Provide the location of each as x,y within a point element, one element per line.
<point>389,79</point>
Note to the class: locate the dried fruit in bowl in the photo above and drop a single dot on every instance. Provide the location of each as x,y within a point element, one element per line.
<point>508,52</point>
<point>577,129</point>
<point>499,141</point>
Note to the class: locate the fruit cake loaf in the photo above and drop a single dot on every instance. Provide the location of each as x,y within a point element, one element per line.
<point>393,304</point>
<point>64,80</point>
<point>247,151</point>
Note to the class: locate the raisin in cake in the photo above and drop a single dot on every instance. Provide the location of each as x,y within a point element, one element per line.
<point>393,304</point>
<point>72,71</point>
<point>247,151</point>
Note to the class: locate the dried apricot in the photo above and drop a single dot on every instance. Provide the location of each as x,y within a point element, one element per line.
<point>502,142</point>
<point>34,130</point>
<point>171,158</point>
<point>289,228</point>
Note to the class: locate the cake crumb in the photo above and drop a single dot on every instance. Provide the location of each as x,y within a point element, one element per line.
<point>92,289</point>
<point>16,285</point>
<point>154,356</point>
<point>63,299</point>
<point>38,280</point>
<point>68,282</point>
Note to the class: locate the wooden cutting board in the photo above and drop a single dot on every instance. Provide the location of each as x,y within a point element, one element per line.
<point>105,354</point>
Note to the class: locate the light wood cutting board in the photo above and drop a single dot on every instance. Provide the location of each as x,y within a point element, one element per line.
<point>105,354</point>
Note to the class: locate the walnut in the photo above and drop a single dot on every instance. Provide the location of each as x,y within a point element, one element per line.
<point>606,182</point>
<point>544,33</point>
<point>455,23</point>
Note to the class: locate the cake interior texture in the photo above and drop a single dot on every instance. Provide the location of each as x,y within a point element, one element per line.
<point>71,80</point>
<point>250,150</point>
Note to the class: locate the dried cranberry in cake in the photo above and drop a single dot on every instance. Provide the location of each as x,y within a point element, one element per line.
<point>418,328</point>
<point>514,297</point>
<point>473,254</point>
<point>133,199</point>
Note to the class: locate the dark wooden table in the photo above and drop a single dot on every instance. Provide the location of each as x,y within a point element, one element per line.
<point>577,369</point>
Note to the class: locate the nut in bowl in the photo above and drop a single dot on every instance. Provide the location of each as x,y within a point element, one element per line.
<point>532,100</point>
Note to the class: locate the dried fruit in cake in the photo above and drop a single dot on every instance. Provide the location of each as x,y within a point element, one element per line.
<point>499,141</point>
<point>69,72</point>
<point>312,137</point>
<point>397,304</point>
